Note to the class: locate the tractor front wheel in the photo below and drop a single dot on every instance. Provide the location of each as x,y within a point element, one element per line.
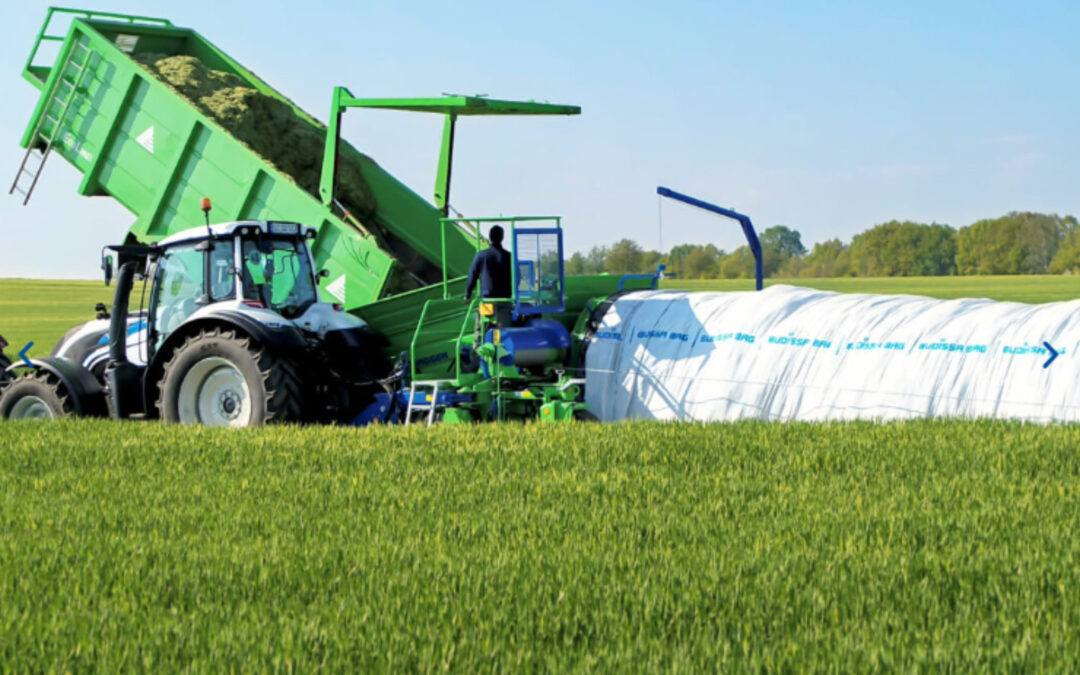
<point>34,396</point>
<point>218,378</point>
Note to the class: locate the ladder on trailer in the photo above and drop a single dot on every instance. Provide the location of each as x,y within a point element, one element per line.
<point>64,91</point>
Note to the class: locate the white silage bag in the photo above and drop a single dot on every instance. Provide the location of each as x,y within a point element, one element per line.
<point>789,353</point>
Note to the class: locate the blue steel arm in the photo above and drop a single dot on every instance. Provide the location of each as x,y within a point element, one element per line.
<point>744,220</point>
<point>656,277</point>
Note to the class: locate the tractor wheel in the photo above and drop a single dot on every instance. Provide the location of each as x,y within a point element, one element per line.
<point>34,396</point>
<point>220,379</point>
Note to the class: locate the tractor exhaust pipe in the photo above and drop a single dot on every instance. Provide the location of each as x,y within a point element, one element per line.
<point>122,377</point>
<point>118,326</point>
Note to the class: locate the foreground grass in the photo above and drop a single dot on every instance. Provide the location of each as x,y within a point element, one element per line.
<point>621,547</point>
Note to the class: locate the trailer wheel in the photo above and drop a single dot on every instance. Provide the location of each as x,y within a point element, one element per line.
<point>218,378</point>
<point>34,396</point>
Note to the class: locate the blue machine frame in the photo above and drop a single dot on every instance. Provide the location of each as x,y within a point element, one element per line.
<point>744,220</point>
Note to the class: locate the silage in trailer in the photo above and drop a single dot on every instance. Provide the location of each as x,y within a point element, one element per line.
<point>264,123</point>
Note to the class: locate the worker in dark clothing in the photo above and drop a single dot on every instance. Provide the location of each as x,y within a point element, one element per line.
<point>491,268</point>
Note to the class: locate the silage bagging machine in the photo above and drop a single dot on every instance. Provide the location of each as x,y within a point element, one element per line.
<point>387,256</point>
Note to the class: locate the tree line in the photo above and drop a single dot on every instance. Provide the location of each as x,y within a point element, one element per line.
<point>1016,243</point>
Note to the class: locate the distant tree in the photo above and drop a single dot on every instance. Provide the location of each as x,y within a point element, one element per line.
<point>791,269</point>
<point>587,263</point>
<point>738,265</point>
<point>701,262</point>
<point>676,259</point>
<point>783,241</point>
<point>694,261</point>
<point>575,264</point>
<point>822,260</point>
<point>650,260</point>
<point>844,267</point>
<point>1067,258</point>
<point>935,251</point>
<point>779,244</point>
<point>623,257</point>
<point>595,259</point>
<point>903,249</point>
<point>1017,243</point>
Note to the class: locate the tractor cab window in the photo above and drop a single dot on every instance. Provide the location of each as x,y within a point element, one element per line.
<point>178,284</point>
<point>222,271</point>
<point>277,273</point>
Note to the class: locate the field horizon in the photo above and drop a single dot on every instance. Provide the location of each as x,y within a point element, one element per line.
<point>71,302</point>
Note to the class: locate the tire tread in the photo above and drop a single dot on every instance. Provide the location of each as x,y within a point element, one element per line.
<point>281,381</point>
<point>41,379</point>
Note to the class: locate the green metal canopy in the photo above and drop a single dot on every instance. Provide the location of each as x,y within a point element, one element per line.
<point>451,106</point>
<point>462,105</point>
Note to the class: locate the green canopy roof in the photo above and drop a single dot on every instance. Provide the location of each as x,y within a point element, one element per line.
<point>463,105</point>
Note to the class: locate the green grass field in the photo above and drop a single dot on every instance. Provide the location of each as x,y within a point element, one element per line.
<point>42,311</point>
<point>629,547</point>
<point>933,545</point>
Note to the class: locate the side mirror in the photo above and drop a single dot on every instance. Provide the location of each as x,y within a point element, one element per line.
<point>107,267</point>
<point>324,274</point>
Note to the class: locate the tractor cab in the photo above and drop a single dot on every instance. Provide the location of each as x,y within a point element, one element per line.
<point>250,265</point>
<point>259,265</point>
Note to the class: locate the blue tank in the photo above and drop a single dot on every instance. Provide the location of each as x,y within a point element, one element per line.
<point>538,342</point>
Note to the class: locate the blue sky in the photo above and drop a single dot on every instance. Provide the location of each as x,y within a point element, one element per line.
<point>826,117</point>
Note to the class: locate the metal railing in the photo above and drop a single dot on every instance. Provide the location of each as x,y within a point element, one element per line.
<point>461,334</point>
<point>479,239</point>
<point>45,36</point>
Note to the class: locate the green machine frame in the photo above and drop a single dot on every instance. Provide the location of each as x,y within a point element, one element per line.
<point>490,389</point>
<point>450,107</point>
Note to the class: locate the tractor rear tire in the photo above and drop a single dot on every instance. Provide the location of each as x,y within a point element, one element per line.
<point>221,379</point>
<point>34,395</point>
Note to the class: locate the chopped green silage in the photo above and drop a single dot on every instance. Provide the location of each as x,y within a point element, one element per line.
<point>267,125</point>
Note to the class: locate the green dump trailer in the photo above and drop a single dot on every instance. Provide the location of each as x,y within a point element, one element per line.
<point>136,139</point>
<point>396,260</point>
